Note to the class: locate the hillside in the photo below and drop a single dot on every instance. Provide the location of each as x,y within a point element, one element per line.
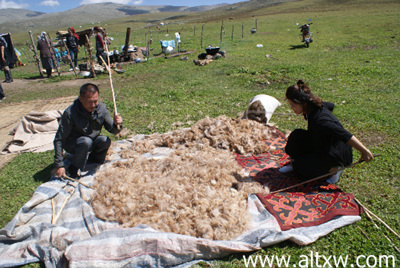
<point>13,14</point>
<point>21,20</point>
<point>18,20</point>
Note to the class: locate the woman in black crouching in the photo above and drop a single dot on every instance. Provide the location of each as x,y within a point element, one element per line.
<point>325,146</point>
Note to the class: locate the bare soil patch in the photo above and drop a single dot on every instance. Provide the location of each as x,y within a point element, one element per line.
<point>39,83</point>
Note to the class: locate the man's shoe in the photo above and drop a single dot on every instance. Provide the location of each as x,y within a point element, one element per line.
<point>72,171</point>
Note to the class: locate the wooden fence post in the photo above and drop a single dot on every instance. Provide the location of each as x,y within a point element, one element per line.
<point>89,49</point>
<point>53,52</point>
<point>128,34</point>
<point>202,29</point>
<point>35,55</point>
<point>220,35</point>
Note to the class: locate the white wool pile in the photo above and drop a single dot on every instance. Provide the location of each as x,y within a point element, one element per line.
<point>198,189</point>
<point>242,136</point>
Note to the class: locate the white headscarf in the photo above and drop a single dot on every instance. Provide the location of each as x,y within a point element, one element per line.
<point>42,36</point>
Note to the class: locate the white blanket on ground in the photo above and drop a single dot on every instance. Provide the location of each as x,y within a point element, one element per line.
<point>79,239</point>
<point>35,132</point>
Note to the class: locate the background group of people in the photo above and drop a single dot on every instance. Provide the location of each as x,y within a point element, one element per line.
<point>72,41</point>
<point>43,45</point>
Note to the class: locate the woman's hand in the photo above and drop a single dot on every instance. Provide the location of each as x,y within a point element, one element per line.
<point>366,155</point>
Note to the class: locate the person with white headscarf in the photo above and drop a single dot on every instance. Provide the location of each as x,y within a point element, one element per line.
<point>45,54</point>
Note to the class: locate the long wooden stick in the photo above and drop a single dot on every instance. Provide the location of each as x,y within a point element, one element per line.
<point>84,184</point>
<point>107,67</point>
<point>379,219</point>
<point>53,209</point>
<point>111,83</point>
<point>368,214</point>
<point>320,177</point>
<point>62,207</point>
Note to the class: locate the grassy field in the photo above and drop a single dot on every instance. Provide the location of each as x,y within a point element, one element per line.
<point>353,62</point>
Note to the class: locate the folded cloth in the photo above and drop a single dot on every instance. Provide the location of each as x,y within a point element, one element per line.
<point>35,132</point>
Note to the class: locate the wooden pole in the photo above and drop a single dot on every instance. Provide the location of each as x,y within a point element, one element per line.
<point>128,34</point>
<point>220,35</point>
<point>319,177</point>
<point>89,49</point>
<point>78,181</point>
<point>53,52</point>
<point>201,39</point>
<point>145,43</point>
<point>242,30</point>
<point>35,55</point>
<point>379,219</point>
<point>233,29</point>
<point>69,56</point>
<point>111,83</point>
<point>54,220</point>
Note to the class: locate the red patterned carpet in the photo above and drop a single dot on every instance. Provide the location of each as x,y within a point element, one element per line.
<point>306,205</point>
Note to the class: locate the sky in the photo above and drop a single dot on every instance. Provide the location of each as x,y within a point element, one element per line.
<point>50,6</point>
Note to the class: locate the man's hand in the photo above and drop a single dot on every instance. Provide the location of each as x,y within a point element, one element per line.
<point>59,172</point>
<point>117,119</point>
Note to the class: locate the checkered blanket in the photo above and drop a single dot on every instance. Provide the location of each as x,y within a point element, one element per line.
<point>74,237</point>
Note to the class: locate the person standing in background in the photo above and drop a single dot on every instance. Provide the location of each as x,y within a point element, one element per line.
<point>4,60</point>
<point>100,45</point>
<point>73,47</point>
<point>45,54</point>
<point>2,95</point>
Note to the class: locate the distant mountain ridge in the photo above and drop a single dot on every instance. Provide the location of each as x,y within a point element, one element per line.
<point>13,14</point>
<point>16,20</point>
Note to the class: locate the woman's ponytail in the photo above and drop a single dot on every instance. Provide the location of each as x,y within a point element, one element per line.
<point>301,93</point>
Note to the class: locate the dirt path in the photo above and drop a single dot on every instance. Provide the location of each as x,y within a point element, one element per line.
<point>36,83</point>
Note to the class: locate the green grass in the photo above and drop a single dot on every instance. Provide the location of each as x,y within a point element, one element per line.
<point>352,62</point>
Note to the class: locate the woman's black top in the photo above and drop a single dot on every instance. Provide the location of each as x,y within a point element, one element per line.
<point>328,135</point>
